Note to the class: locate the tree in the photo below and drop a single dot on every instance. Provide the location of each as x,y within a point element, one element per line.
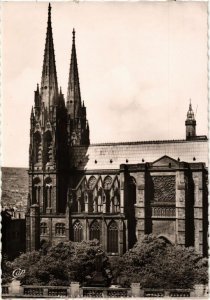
<point>158,264</point>
<point>61,264</point>
<point>6,268</point>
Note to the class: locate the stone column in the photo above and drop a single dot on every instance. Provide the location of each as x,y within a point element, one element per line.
<point>180,208</point>
<point>84,226</point>
<point>86,202</point>
<point>75,290</point>
<point>88,229</point>
<point>28,233</point>
<point>34,227</point>
<point>103,202</point>
<point>140,205</point>
<point>54,195</point>
<point>15,288</point>
<point>120,224</point>
<point>135,290</point>
<point>122,187</point>
<point>104,235</point>
<point>49,193</point>
<point>198,210</point>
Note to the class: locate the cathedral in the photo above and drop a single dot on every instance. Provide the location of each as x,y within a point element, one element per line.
<point>113,192</point>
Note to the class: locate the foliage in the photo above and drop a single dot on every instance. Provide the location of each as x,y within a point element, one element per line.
<point>6,269</point>
<point>155,263</point>
<point>60,264</point>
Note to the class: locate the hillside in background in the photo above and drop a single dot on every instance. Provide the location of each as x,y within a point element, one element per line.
<point>14,186</point>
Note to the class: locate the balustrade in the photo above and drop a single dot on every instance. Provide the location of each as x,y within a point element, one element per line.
<point>93,293</point>
<point>5,290</point>
<point>117,293</point>
<point>179,294</point>
<point>57,292</point>
<point>33,291</point>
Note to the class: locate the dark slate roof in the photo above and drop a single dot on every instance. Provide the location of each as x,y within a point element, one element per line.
<point>111,155</point>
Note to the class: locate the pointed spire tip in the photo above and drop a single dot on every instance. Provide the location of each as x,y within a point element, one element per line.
<point>73,35</point>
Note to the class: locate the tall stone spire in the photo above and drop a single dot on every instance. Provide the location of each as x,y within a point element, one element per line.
<point>73,93</point>
<point>49,85</point>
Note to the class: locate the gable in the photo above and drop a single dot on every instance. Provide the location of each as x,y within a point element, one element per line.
<point>165,161</point>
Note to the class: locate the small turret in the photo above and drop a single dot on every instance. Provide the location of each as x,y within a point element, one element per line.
<point>190,123</point>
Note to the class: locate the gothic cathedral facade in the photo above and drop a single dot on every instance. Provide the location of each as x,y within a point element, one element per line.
<point>113,192</point>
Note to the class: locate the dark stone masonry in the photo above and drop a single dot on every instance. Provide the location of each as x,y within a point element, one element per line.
<point>114,192</point>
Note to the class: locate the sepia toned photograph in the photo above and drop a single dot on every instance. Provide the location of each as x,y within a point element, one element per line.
<point>104,156</point>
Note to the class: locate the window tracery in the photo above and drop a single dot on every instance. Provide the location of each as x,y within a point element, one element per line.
<point>36,190</point>
<point>37,147</point>
<point>47,153</point>
<point>91,182</point>
<point>95,230</point>
<point>107,182</point>
<point>60,229</point>
<point>47,193</point>
<point>78,231</point>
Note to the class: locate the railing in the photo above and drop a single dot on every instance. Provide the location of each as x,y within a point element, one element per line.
<point>5,290</point>
<point>73,291</point>
<point>102,292</point>
<point>153,293</point>
<point>52,291</point>
<point>118,293</point>
<point>179,293</point>
<point>167,293</point>
<point>57,292</point>
<point>92,293</point>
<point>33,291</point>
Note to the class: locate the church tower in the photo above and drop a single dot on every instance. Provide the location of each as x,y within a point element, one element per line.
<point>48,152</point>
<point>78,128</point>
<point>190,124</point>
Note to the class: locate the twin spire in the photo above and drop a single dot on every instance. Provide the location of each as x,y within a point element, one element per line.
<point>49,84</point>
<point>73,93</point>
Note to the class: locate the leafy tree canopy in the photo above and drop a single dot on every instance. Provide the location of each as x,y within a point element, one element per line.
<point>156,263</point>
<point>61,264</point>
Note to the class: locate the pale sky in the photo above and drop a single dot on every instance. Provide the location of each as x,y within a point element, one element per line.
<point>139,64</point>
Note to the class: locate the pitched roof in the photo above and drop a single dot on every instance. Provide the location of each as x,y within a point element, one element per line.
<point>111,155</point>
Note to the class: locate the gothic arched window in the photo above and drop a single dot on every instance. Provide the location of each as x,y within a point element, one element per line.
<point>43,228</point>
<point>78,232</point>
<point>37,147</point>
<point>47,193</point>
<point>107,182</point>
<point>99,204</point>
<point>112,230</point>
<point>95,231</point>
<point>36,190</point>
<point>47,153</point>
<point>91,182</point>
<point>115,205</point>
<point>60,229</point>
